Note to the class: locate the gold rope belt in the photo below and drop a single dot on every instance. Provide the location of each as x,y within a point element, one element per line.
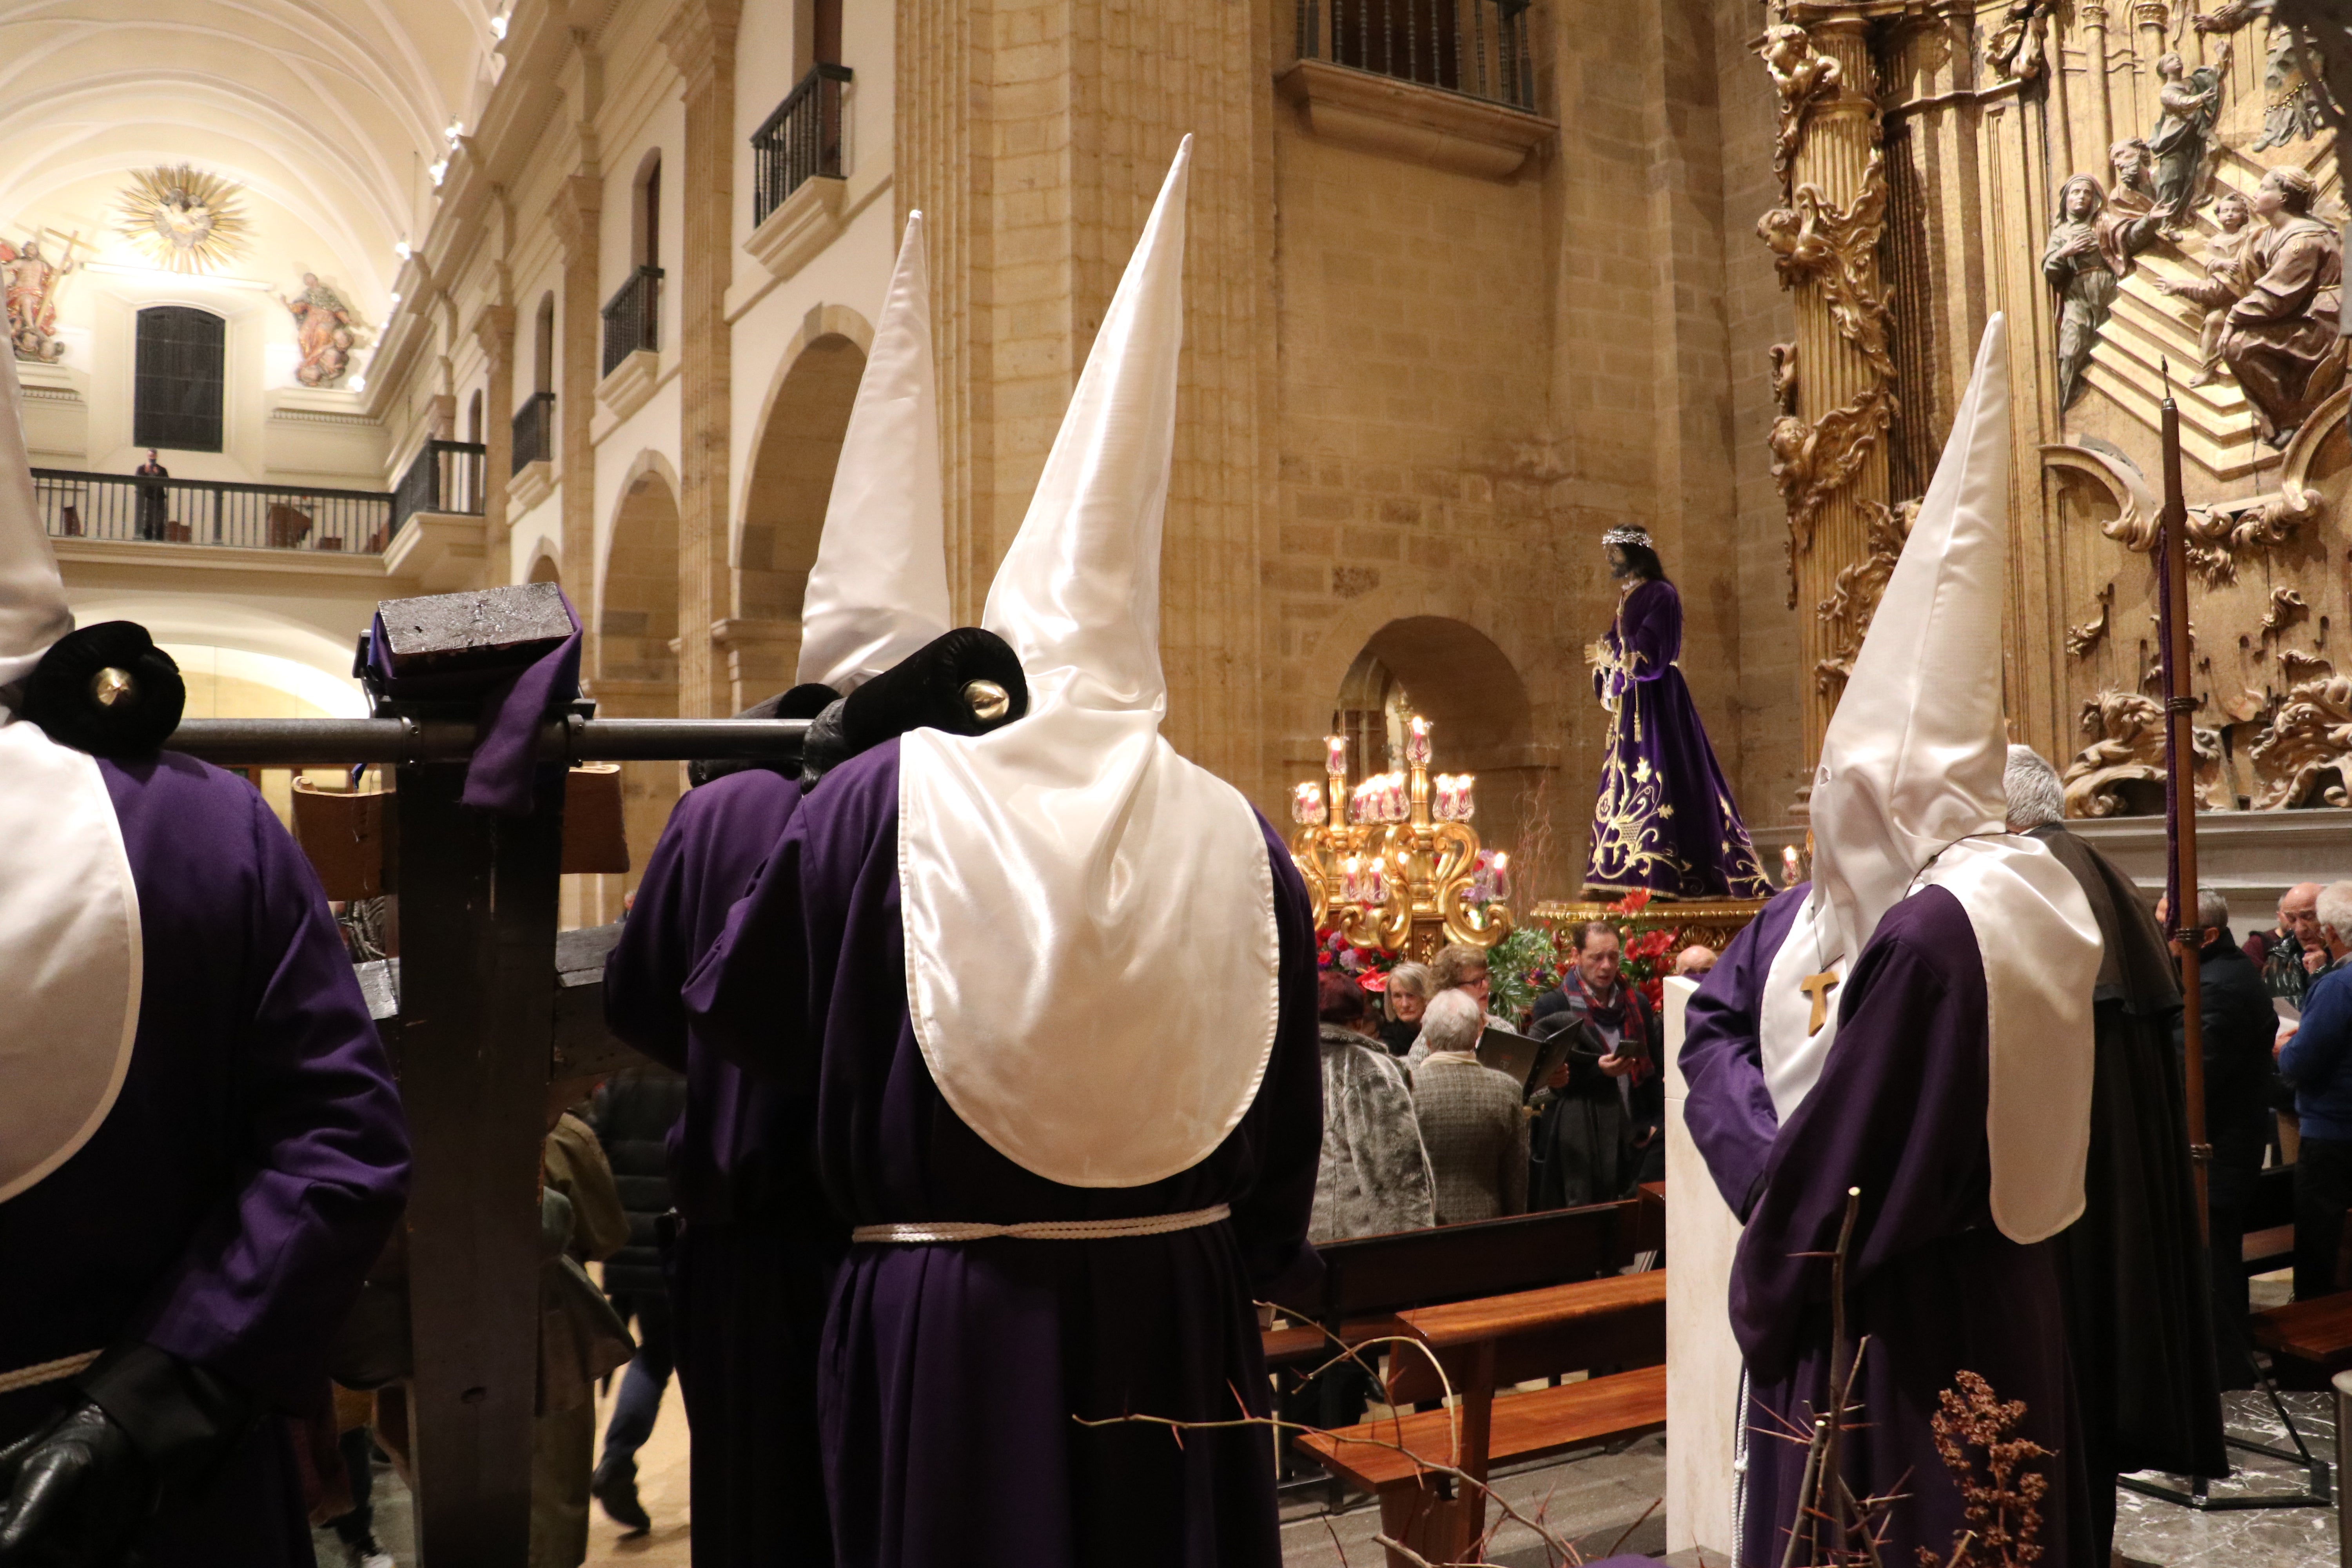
<point>47,1372</point>
<point>1039,1230</point>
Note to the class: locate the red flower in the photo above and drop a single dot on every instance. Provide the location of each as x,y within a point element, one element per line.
<point>1631,903</point>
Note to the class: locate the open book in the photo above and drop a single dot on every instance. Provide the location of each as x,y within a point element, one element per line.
<point>1527,1059</point>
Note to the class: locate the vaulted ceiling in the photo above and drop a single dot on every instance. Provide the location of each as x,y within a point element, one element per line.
<point>332,111</point>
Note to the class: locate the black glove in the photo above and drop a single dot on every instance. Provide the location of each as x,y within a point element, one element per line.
<point>967,682</point>
<point>78,1493</point>
<point>81,1489</point>
<point>803,701</point>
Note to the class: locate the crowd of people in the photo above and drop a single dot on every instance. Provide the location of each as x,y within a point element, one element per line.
<point>1419,1131</point>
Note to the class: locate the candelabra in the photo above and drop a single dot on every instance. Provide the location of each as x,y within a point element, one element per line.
<point>1394,863</point>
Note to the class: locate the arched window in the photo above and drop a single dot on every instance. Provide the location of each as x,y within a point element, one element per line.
<point>474,417</point>
<point>176,386</point>
<point>542,358</point>
<point>646,241</point>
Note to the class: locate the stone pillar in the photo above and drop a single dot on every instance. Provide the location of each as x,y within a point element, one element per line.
<point>700,38</point>
<point>577,207</point>
<point>494,330</point>
<point>1829,443</point>
<point>1033,208</point>
<point>2092,18</point>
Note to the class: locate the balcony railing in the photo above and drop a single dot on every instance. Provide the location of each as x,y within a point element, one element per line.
<point>800,141</point>
<point>633,317</point>
<point>206,511</point>
<point>445,476</point>
<point>1477,48</point>
<point>534,431</point>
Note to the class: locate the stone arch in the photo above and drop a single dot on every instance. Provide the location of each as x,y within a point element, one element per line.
<point>546,567</point>
<point>785,487</point>
<point>632,670</point>
<point>1421,644</point>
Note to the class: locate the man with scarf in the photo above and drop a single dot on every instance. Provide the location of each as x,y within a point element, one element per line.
<point>1599,1131</point>
<point>2138,1321</point>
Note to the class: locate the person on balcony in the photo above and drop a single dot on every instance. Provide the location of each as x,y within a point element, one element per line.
<point>154,500</point>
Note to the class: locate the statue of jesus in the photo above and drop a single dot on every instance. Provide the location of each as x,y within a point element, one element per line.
<point>1664,822</point>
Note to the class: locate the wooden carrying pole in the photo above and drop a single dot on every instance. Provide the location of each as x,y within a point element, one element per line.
<point>2180,794</point>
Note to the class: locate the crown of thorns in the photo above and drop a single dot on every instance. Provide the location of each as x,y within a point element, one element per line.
<point>1632,534</point>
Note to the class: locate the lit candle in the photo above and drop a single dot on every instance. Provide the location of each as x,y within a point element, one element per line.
<point>1416,742</point>
<point>1789,866</point>
<point>1307,804</point>
<point>1465,783</point>
<point>1351,880</point>
<point>1335,754</point>
<point>1377,888</point>
<point>1502,875</point>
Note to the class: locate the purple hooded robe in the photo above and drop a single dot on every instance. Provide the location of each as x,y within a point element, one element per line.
<point>951,1374</point>
<point>752,1267</point>
<point>256,1158</point>
<point>1899,1112</point>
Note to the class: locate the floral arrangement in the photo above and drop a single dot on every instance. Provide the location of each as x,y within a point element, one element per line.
<point>1370,965</point>
<point>1520,968</point>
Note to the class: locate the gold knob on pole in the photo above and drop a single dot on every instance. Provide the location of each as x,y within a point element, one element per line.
<point>110,687</point>
<point>988,701</point>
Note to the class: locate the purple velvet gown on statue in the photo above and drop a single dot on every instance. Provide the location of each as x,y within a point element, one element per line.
<point>753,1264</point>
<point>950,1374</point>
<point>250,1169</point>
<point>1664,820</point>
<point>1899,1111</point>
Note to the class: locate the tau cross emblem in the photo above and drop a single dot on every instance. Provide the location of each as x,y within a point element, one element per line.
<point>1818,987</point>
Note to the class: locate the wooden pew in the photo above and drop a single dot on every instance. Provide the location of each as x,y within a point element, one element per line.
<point>1497,1343</point>
<point>1367,1280</point>
<point>2315,1333</point>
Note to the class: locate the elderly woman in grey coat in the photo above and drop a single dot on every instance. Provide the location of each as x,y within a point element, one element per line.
<point>1374,1176</point>
<point>1471,1119</point>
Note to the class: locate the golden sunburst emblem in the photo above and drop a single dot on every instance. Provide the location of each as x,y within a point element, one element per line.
<point>184,219</point>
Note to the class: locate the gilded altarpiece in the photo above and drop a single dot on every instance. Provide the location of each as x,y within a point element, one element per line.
<point>2150,192</point>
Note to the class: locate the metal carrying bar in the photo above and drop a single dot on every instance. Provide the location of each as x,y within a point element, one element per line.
<point>325,742</point>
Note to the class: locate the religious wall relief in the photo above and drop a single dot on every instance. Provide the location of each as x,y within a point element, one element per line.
<point>2294,103</point>
<point>326,333</point>
<point>31,279</point>
<point>2305,756</point>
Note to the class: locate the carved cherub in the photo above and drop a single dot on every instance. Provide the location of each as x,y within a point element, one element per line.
<point>1800,75</point>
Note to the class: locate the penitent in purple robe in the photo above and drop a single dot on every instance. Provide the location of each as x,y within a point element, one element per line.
<point>951,1374</point>
<point>1664,820</point>
<point>753,1267</point>
<point>249,1171</point>
<point>1899,1112</point>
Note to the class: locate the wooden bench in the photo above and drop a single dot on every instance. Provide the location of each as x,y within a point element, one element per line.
<point>1490,1344</point>
<point>2317,1333</point>
<point>1368,1280</point>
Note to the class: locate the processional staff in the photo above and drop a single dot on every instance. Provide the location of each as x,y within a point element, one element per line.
<point>2180,790</point>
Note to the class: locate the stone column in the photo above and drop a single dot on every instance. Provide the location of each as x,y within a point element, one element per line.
<point>1829,443</point>
<point>700,38</point>
<point>494,330</point>
<point>577,207</point>
<point>2092,18</point>
<point>1034,203</point>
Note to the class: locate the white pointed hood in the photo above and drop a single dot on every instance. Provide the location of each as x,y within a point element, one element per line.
<point>1909,791</point>
<point>70,948</point>
<point>880,588</point>
<point>1091,950</point>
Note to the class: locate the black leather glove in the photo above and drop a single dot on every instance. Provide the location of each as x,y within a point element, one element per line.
<point>81,1489</point>
<point>967,682</point>
<point>804,701</point>
<point>78,1493</point>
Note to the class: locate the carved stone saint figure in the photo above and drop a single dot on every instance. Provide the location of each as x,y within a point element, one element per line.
<point>32,279</point>
<point>2090,252</point>
<point>2131,162</point>
<point>2294,104</point>
<point>2280,340</point>
<point>322,333</point>
<point>2184,130</point>
<point>2225,280</point>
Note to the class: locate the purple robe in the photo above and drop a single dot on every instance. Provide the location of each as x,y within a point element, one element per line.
<point>950,1374</point>
<point>250,1170</point>
<point>1664,820</point>
<point>1899,1111</point>
<point>753,1267</point>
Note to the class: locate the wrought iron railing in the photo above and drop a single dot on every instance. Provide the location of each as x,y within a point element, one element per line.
<point>443,476</point>
<point>1477,48</point>
<point>208,511</point>
<point>534,431</point>
<point>799,142</point>
<point>633,317</point>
